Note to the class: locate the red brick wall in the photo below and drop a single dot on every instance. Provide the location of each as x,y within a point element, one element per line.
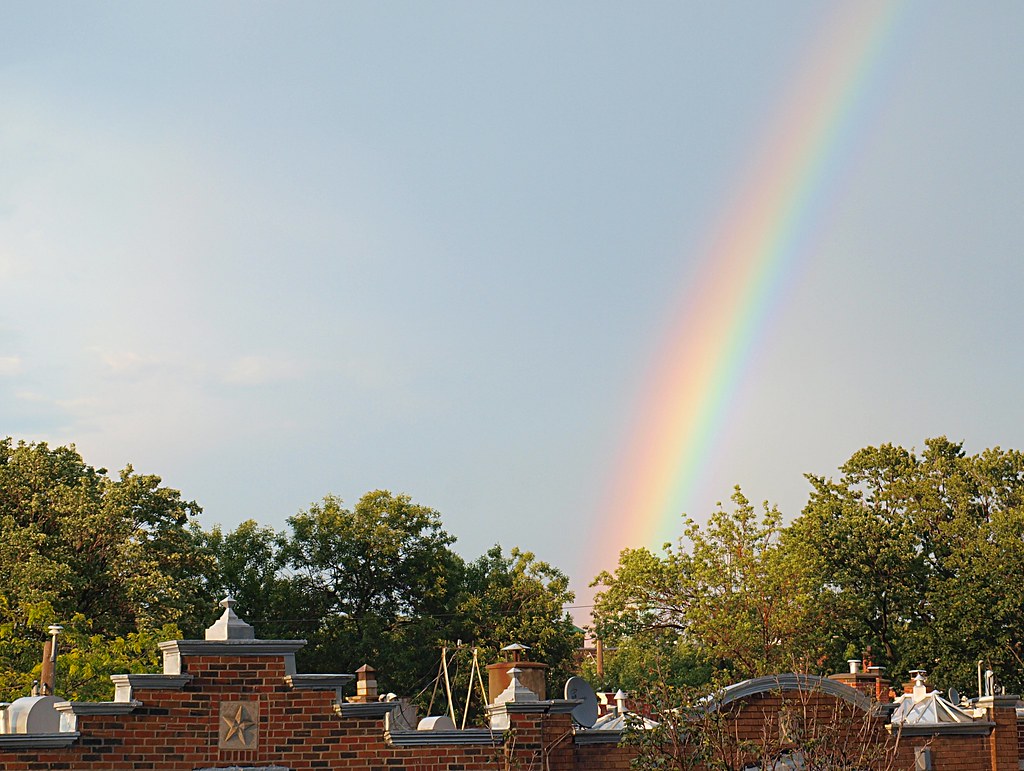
<point>177,730</point>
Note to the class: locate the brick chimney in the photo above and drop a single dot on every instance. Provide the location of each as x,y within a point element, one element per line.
<point>871,683</point>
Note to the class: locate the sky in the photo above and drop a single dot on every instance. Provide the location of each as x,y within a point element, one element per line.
<point>271,251</point>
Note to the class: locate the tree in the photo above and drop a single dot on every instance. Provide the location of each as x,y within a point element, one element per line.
<point>518,599</point>
<point>250,566</point>
<point>736,597</point>
<point>75,543</point>
<point>366,573</point>
<point>921,557</point>
<point>380,584</point>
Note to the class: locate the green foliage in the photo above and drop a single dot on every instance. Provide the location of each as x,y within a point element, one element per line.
<point>120,564</point>
<point>630,662</point>
<point>386,589</point>
<point>248,564</point>
<point>921,557</point>
<point>75,543</point>
<point>735,599</point>
<point>371,575</point>
<point>518,599</point>
<point>914,559</point>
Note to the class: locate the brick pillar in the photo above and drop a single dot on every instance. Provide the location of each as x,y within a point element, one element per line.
<point>559,744</point>
<point>1002,710</point>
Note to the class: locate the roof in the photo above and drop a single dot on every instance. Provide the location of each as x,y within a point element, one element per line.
<point>789,682</point>
<point>929,709</point>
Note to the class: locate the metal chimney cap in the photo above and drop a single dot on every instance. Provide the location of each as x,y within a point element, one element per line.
<point>54,629</point>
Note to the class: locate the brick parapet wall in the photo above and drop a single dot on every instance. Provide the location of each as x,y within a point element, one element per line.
<point>1003,742</point>
<point>949,753</point>
<point>1020,733</point>
<point>177,729</point>
<point>603,757</point>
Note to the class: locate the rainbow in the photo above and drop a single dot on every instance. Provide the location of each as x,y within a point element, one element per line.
<point>752,253</point>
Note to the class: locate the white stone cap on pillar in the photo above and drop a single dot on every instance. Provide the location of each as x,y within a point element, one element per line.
<point>516,691</point>
<point>229,626</point>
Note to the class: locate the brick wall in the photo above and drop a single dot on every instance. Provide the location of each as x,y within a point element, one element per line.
<point>181,727</point>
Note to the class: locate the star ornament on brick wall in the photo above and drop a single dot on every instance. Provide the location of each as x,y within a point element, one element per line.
<point>239,721</point>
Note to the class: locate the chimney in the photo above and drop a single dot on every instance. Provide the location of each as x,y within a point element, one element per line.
<point>881,684</point>
<point>866,678</point>
<point>532,674</point>
<point>48,677</point>
<point>366,685</point>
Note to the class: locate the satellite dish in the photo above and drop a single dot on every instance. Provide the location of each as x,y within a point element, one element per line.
<point>584,714</point>
<point>954,696</point>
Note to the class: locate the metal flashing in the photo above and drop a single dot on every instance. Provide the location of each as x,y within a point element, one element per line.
<point>788,682</point>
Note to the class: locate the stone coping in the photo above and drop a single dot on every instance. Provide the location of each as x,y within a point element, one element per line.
<point>244,768</point>
<point>316,682</point>
<point>589,736</point>
<point>978,727</point>
<point>371,709</point>
<point>174,650</point>
<point>38,741</point>
<point>550,707</point>
<point>1003,700</point>
<point>231,647</point>
<point>468,736</point>
<point>788,681</point>
<point>152,681</point>
<point>97,707</point>
<point>561,706</point>
<point>126,685</point>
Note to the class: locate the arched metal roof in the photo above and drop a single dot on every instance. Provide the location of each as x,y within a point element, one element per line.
<point>789,682</point>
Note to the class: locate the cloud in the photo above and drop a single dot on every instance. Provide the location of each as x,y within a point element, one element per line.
<point>126,363</point>
<point>78,404</point>
<point>10,365</point>
<point>11,266</point>
<point>260,370</point>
